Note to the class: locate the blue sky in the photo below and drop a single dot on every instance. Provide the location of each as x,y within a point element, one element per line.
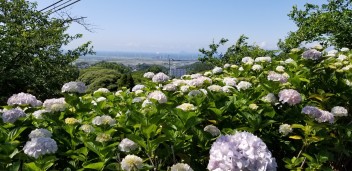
<point>180,25</point>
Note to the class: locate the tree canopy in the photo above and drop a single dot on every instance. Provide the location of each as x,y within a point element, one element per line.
<point>330,24</point>
<point>31,51</point>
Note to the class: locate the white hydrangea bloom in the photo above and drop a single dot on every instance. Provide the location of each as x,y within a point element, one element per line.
<point>290,96</point>
<point>241,68</point>
<point>55,105</point>
<point>253,106</point>
<point>158,95</point>
<point>213,130</point>
<point>74,87</point>
<point>285,129</point>
<point>227,65</point>
<point>72,121</point>
<point>178,82</point>
<point>348,82</point>
<point>263,59</point>
<point>103,120</point>
<point>273,76</point>
<point>257,67</point>
<point>194,76</point>
<point>103,137</point>
<point>138,87</point>
<point>346,68</point>
<point>11,116</point>
<point>38,114</point>
<point>149,75</point>
<point>127,145</point>
<point>160,78</point>
<point>187,107</point>
<point>234,66</point>
<point>339,111</point>
<point>23,99</point>
<point>215,88</point>
<point>217,70</point>
<point>146,103</point>
<point>270,98</point>
<point>247,60</point>
<point>40,146</point>
<point>344,49</point>
<point>131,162</point>
<point>102,90</point>
<point>243,85</point>
<point>37,133</point>
<point>181,167</point>
<point>184,88</point>
<point>280,68</point>
<point>295,50</point>
<point>100,99</point>
<point>332,53</point>
<point>229,81</point>
<point>87,128</point>
<point>138,92</point>
<point>289,60</point>
<point>118,93</point>
<point>341,57</point>
<point>205,92</point>
<point>227,89</point>
<point>169,87</point>
<point>312,54</point>
<point>137,99</point>
<point>241,151</point>
<point>318,47</point>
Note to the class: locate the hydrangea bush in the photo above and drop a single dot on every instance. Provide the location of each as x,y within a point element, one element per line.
<point>289,112</point>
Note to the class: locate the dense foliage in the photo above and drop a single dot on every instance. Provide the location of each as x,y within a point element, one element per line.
<point>329,24</point>
<point>106,74</point>
<point>32,59</point>
<point>292,112</point>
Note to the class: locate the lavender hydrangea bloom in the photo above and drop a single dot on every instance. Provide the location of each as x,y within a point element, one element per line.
<point>11,116</point>
<point>325,117</point>
<point>74,87</point>
<point>138,87</point>
<point>241,151</point>
<point>312,111</point>
<point>37,133</point>
<point>23,99</point>
<point>273,76</point>
<point>312,54</point>
<point>290,96</point>
<point>40,146</point>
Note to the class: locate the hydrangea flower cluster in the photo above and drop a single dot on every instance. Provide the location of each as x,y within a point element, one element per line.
<point>55,105</point>
<point>230,81</point>
<point>290,96</point>
<point>217,70</point>
<point>11,116</point>
<point>74,87</point>
<point>186,107</point>
<point>138,87</point>
<point>213,130</point>
<point>339,111</point>
<point>181,167</point>
<point>40,143</point>
<point>38,113</point>
<point>104,120</point>
<point>127,145</point>
<point>131,162</point>
<point>243,85</point>
<point>270,98</point>
<point>318,114</point>
<point>273,76</point>
<point>248,60</point>
<point>159,96</point>
<point>160,78</point>
<point>312,54</point>
<point>241,151</point>
<point>263,59</point>
<point>285,129</point>
<point>102,90</point>
<point>169,87</point>
<point>257,67</point>
<point>23,99</point>
<point>215,88</point>
<point>87,128</point>
<point>149,75</point>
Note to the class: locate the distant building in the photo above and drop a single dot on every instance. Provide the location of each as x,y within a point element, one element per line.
<point>177,72</point>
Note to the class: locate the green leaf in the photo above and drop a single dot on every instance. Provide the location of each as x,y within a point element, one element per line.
<point>13,134</point>
<point>14,167</point>
<point>295,137</point>
<point>137,139</point>
<point>149,131</point>
<point>95,166</point>
<point>31,166</point>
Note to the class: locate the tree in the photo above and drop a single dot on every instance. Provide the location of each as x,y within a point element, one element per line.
<point>330,24</point>
<point>31,51</point>
<point>234,53</point>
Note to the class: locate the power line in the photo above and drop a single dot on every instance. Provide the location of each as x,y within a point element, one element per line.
<point>50,5</point>
<point>65,6</point>
<point>59,5</point>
